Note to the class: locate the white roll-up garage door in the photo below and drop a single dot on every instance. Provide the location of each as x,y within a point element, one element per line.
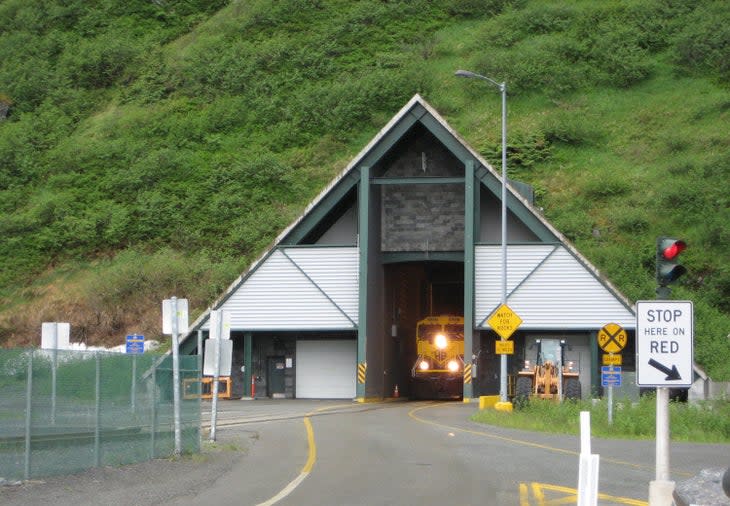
<point>326,369</point>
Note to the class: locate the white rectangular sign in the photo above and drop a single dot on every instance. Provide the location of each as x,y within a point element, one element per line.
<point>216,325</point>
<point>664,343</point>
<point>55,336</point>
<point>209,357</point>
<point>182,316</point>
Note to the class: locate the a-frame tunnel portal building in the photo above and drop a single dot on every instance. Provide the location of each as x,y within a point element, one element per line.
<point>411,228</point>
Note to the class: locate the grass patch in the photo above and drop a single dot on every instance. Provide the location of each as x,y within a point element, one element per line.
<point>707,422</point>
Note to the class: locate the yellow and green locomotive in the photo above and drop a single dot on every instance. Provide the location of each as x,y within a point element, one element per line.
<point>438,370</point>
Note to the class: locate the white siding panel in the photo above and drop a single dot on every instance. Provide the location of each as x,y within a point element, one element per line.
<point>300,288</point>
<point>335,271</point>
<point>555,290</point>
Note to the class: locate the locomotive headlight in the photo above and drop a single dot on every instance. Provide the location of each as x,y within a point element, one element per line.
<point>423,365</point>
<point>453,365</point>
<point>527,364</point>
<point>440,341</point>
<point>570,365</point>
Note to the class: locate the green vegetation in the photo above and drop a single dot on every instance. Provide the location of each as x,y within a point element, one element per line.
<point>158,147</point>
<point>707,422</point>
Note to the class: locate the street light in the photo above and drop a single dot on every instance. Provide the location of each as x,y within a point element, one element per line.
<point>503,90</point>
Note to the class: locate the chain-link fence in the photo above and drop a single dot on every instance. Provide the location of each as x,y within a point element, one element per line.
<point>66,411</point>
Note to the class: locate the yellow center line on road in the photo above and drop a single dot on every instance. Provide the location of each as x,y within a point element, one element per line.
<point>311,457</point>
<point>412,414</point>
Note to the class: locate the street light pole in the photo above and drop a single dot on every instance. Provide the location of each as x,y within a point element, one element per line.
<point>503,90</point>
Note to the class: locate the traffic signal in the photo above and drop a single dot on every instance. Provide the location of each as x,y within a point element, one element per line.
<point>668,269</point>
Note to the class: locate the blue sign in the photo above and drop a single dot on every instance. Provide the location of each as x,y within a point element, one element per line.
<point>135,344</point>
<point>610,376</point>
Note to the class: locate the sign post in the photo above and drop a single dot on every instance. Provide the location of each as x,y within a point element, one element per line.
<point>54,336</point>
<point>611,338</point>
<point>610,377</point>
<point>175,320</point>
<point>664,355</point>
<point>135,346</point>
<point>504,322</point>
<point>220,329</point>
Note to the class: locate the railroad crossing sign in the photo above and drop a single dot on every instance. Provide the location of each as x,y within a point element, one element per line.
<point>664,343</point>
<point>504,321</point>
<point>612,338</point>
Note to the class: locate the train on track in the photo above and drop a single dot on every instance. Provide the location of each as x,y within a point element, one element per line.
<point>439,367</point>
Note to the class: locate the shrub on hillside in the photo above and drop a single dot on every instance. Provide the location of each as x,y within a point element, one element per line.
<point>571,127</point>
<point>480,8</point>
<point>604,187</point>
<point>703,46</point>
<point>98,62</point>
<point>561,48</point>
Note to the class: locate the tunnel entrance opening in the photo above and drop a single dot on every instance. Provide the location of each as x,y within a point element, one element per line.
<point>423,300</point>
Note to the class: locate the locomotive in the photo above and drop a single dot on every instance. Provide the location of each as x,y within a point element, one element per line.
<point>438,370</point>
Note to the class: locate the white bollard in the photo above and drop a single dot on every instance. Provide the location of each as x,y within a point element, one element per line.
<point>588,465</point>
<point>585,432</point>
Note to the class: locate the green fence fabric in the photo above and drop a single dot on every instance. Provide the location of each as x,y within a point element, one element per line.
<point>65,411</point>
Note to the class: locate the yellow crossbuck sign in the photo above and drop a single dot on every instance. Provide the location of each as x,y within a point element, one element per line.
<point>612,338</point>
<point>543,494</point>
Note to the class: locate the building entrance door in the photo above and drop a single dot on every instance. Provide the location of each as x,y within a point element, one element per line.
<point>275,382</point>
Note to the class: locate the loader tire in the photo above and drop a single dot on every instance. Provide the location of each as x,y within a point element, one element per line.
<point>572,389</point>
<point>523,389</point>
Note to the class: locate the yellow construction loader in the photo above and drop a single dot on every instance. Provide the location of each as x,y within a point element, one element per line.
<point>542,378</point>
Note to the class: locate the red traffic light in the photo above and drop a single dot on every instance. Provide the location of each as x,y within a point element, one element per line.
<point>668,269</point>
<point>672,248</point>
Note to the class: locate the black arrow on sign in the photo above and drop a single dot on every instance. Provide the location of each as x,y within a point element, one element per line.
<point>672,374</point>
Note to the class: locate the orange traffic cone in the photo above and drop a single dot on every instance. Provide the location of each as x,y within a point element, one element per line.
<point>395,392</point>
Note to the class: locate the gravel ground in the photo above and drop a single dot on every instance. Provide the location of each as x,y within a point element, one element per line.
<point>147,483</point>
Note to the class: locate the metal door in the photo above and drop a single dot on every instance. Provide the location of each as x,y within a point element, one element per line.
<point>276,366</point>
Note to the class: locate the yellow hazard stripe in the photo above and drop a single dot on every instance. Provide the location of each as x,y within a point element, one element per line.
<point>467,373</point>
<point>361,372</point>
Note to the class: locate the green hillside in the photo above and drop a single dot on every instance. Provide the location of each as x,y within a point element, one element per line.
<point>156,147</point>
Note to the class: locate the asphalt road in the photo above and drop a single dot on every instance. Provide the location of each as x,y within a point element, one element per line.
<point>342,453</point>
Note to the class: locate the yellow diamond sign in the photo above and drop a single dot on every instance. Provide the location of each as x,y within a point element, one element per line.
<point>504,321</point>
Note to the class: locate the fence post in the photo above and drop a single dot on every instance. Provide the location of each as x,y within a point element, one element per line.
<point>54,372</point>
<point>154,410</point>
<point>28,406</point>
<point>97,428</point>
<point>200,384</point>
<point>134,383</point>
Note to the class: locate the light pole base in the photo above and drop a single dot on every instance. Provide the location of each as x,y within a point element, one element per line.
<point>660,493</point>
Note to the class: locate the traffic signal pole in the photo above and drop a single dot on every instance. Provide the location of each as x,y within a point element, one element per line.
<point>662,488</point>
<point>668,270</point>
